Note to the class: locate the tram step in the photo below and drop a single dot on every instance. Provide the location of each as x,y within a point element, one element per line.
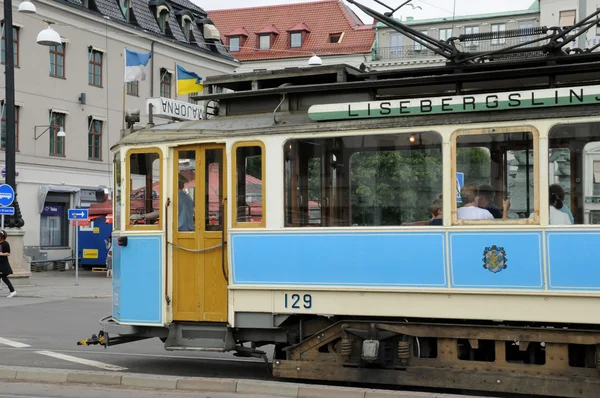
<point>199,337</point>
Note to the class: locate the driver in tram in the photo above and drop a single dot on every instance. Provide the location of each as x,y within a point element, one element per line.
<point>185,209</point>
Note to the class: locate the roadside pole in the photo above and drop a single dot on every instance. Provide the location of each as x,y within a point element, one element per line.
<point>77,215</point>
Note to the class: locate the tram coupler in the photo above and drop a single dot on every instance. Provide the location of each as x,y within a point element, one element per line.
<point>94,340</point>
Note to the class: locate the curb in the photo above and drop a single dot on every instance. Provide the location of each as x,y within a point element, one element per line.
<point>201,384</point>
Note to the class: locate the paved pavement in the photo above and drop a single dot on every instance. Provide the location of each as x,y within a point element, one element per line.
<point>60,285</point>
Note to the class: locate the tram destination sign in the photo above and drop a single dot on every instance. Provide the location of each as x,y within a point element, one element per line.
<point>583,95</point>
<point>172,109</point>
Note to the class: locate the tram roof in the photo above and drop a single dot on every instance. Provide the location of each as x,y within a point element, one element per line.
<point>252,105</point>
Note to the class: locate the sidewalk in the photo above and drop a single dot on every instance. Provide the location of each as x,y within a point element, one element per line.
<point>61,285</point>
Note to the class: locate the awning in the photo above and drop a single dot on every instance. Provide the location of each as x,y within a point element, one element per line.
<point>44,189</point>
<point>54,110</point>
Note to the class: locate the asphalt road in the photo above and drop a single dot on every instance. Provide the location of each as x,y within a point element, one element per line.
<point>32,390</point>
<point>45,334</point>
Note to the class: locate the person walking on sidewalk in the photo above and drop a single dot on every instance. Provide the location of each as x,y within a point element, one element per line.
<point>5,269</point>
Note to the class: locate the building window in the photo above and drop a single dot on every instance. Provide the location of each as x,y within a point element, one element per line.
<point>191,99</point>
<point>472,30</point>
<point>566,18</point>
<point>445,34</point>
<point>165,83</point>
<point>95,140</point>
<point>95,68</point>
<point>54,225</point>
<point>15,45</point>
<point>335,37</point>
<point>133,88</point>
<point>187,27</point>
<point>264,42</point>
<point>234,44</point>
<point>249,184</point>
<point>419,46</point>
<point>57,61</point>
<point>125,9</point>
<point>162,21</point>
<point>496,28</point>
<point>3,127</point>
<point>57,144</point>
<point>296,39</point>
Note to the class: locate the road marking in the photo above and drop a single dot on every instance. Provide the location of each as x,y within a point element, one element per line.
<point>81,361</point>
<point>14,344</point>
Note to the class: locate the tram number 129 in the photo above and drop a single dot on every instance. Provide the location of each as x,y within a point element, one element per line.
<point>297,301</point>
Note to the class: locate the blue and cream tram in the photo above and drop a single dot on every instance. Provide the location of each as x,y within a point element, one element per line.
<point>299,214</point>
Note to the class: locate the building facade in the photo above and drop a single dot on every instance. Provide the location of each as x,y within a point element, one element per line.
<point>79,87</point>
<point>287,35</point>
<point>394,50</point>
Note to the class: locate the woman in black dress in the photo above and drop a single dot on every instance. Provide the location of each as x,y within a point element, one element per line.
<point>5,269</point>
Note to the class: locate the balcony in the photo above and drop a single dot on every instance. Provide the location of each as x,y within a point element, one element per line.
<point>418,52</point>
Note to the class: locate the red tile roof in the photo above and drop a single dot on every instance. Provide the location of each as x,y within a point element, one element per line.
<point>322,18</point>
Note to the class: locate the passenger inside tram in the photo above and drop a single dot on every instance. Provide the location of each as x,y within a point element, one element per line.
<point>185,209</point>
<point>487,194</point>
<point>470,209</point>
<point>558,216</point>
<point>436,211</point>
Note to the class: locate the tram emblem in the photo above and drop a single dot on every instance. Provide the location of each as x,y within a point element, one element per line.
<point>494,259</point>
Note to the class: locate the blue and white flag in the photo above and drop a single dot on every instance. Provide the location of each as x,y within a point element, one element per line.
<point>134,65</point>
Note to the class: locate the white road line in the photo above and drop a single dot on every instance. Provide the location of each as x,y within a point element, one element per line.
<point>81,361</point>
<point>11,343</point>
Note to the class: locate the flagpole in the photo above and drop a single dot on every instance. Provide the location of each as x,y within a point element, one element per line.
<point>124,87</point>
<point>176,82</point>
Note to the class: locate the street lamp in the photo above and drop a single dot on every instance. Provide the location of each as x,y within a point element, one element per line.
<point>48,36</point>
<point>9,72</point>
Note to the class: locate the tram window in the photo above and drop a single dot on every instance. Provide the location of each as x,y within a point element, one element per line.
<point>371,180</point>
<point>144,189</point>
<point>249,184</point>
<point>117,192</point>
<point>574,165</point>
<point>186,192</point>
<point>496,174</point>
<point>213,202</point>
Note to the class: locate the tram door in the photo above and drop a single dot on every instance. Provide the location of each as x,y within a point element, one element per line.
<point>199,265</point>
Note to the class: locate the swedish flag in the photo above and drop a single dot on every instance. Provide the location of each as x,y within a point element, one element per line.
<point>188,82</point>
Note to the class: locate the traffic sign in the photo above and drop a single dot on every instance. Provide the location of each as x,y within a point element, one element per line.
<point>7,211</point>
<point>7,195</point>
<point>78,214</point>
<point>460,182</point>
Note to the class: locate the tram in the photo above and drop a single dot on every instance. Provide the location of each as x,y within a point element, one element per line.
<point>298,214</point>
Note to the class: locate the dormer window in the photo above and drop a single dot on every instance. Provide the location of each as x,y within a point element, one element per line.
<point>234,44</point>
<point>236,39</point>
<point>125,6</point>
<point>186,26</point>
<point>264,42</point>
<point>336,37</point>
<point>163,17</point>
<point>298,35</point>
<point>266,37</point>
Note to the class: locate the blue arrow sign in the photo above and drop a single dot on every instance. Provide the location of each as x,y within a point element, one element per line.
<point>7,195</point>
<point>78,214</point>
<point>7,211</point>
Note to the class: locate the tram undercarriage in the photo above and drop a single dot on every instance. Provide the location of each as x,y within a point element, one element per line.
<point>547,361</point>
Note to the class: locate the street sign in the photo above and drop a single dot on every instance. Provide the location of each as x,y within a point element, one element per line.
<point>78,214</point>
<point>172,109</point>
<point>7,211</point>
<point>7,195</point>
<point>460,182</point>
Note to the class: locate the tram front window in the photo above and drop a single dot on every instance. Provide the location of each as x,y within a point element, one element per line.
<point>370,180</point>
<point>574,165</point>
<point>144,188</point>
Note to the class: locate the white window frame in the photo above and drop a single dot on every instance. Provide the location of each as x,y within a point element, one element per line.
<point>498,27</point>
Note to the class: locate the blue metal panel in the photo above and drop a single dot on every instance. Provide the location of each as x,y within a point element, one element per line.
<point>573,262</point>
<point>337,259</point>
<point>523,260</point>
<point>138,282</point>
<point>90,240</point>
